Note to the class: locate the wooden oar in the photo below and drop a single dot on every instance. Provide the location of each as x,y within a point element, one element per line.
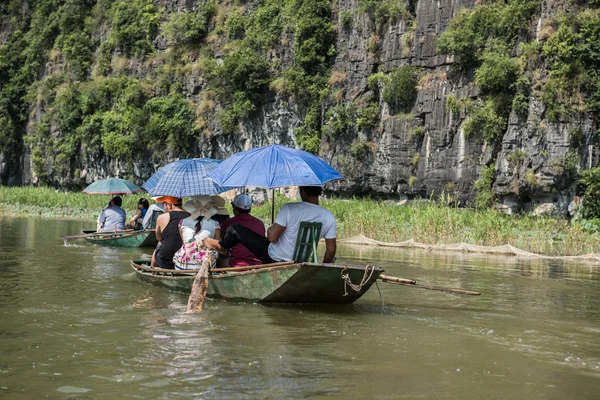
<point>250,267</point>
<point>198,293</point>
<point>95,234</point>
<point>411,283</point>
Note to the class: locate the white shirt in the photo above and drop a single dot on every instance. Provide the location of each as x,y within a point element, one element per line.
<point>290,216</point>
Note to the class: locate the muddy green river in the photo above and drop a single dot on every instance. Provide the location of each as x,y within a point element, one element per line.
<point>75,322</point>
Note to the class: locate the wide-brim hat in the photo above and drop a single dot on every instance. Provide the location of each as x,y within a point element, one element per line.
<point>200,206</point>
<point>219,203</point>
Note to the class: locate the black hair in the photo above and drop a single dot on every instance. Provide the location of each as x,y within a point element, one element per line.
<point>117,200</point>
<point>144,202</point>
<point>312,190</point>
<point>241,210</point>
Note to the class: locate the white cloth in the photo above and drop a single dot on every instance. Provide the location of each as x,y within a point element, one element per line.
<point>290,216</point>
<point>148,216</point>
<point>188,229</point>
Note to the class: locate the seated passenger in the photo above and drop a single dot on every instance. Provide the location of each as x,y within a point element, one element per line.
<point>137,221</point>
<point>240,255</point>
<point>281,237</point>
<point>167,232</point>
<point>112,218</point>
<point>222,214</point>
<point>193,229</point>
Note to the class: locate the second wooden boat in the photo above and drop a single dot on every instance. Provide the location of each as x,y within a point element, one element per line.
<point>143,238</point>
<point>275,283</point>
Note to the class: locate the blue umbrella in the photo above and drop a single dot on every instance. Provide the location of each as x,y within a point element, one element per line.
<point>273,166</point>
<point>184,178</point>
<point>112,186</point>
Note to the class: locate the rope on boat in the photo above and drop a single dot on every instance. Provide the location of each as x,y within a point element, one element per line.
<point>369,269</point>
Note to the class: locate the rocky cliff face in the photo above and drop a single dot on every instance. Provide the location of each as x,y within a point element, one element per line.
<point>418,152</point>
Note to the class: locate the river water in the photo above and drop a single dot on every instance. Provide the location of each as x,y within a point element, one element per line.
<point>76,323</point>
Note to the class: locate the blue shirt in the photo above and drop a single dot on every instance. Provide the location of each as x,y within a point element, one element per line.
<point>113,218</point>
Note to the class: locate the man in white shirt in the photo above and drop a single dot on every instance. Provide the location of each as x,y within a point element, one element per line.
<point>281,236</point>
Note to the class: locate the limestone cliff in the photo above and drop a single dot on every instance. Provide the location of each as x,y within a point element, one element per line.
<point>387,151</point>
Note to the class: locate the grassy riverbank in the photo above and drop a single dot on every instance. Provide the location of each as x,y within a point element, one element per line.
<point>427,222</point>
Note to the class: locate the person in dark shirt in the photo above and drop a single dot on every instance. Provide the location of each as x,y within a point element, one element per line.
<point>240,255</point>
<point>167,232</point>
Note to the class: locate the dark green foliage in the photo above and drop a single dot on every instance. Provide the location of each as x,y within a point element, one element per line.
<point>340,121</point>
<point>485,196</point>
<point>400,90</point>
<point>589,181</point>
<point>497,72</point>
<point>487,121</point>
<point>383,12</point>
<point>368,117</point>
<point>235,25</point>
<point>190,27</point>
<point>573,56</point>
<point>134,24</point>
<point>493,24</point>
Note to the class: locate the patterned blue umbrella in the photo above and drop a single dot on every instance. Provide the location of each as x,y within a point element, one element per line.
<point>184,178</point>
<point>272,167</point>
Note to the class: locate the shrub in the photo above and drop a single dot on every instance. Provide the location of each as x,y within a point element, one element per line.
<point>190,26</point>
<point>485,196</point>
<point>235,25</point>
<point>368,117</point>
<point>486,121</point>
<point>339,121</point>
<point>400,92</point>
<point>497,73</point>
<point>589,182</point>
<point>134,24</point>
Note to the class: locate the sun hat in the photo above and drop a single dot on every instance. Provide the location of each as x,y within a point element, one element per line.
<point>198,206</point>
<point>242,201</point>
<point>219,203</point>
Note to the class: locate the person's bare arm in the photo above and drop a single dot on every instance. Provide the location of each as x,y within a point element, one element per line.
<point>330,249</point>
<point>135,217</point>
<point>217,233</point>
<point>161,223</point>
<point>274,232</point>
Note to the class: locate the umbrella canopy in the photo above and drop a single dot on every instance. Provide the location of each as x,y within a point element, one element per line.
<point>184,178</point>
<point>112,186</point>
<point>272,167</point>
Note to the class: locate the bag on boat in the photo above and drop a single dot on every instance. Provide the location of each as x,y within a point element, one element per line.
<point>191,254</point>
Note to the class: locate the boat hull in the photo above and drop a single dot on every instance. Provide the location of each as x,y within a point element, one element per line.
<point>287,283</point>
<point>145,238</point>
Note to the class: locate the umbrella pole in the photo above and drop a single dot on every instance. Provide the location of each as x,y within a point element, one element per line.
<point>272,206</point>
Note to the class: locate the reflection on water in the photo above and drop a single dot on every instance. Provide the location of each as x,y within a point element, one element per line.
<point>76,323</point>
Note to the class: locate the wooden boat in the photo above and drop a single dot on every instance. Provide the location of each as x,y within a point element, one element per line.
<point>144,238</point>
<point>273,283</point>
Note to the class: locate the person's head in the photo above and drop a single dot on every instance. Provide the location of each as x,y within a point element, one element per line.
<point>310,192</point>
<point>117,201</point>
<point>144,203</point>
<point>170,202</point>
<point>222,213</point>
<point>242,203</point>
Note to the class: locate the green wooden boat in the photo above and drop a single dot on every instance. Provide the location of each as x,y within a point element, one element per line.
<point>274,283</point>
<point>144,238</point>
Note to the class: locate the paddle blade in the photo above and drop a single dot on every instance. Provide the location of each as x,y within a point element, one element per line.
<point>198,294</point>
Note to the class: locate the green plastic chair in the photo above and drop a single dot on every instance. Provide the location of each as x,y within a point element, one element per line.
<point>307,241</point>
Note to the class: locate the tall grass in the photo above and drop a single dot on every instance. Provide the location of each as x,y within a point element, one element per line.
<point>46,198</point>
<point>426,222</point>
